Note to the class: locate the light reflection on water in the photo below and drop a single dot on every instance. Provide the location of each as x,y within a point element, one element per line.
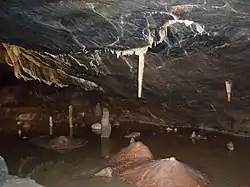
<point>75,168</point>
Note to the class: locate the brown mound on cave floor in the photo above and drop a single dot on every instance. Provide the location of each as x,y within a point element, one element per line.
<point>164,173</point>
<point>134,164</point>
<point>135,154</point>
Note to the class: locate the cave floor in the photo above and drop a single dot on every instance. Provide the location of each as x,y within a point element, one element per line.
<point>31,106</point>
<point>75,168</point>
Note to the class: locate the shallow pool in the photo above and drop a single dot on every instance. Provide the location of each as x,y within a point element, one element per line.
<point>75,168</point>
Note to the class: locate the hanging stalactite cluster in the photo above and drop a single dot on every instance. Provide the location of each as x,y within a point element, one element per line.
<point>32,65</point>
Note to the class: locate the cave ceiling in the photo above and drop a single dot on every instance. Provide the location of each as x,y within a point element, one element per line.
<point>162,48</point>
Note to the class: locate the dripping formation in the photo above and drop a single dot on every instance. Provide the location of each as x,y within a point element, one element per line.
<point>228,84</point>
<point>141,52</point>
<point>48,68</point>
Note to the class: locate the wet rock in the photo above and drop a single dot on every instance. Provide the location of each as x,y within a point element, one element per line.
<point>7,180</point>
<point>105,173</point>
<point>26,127</point>
<point>169,129</point>
<point>132,140</point>
<point>24,122</point>
<point>116,124</point>
<point>193,135</point>
<point>26,117</point>
<point>22,169</point>
<point>197,136</point>
<point>230,146</point>
<point>3,170</point>
<point>82,114</point>
<point>22,134</point>
<point>133,135</point>
<point>60,144</point>
<point>96,128</point>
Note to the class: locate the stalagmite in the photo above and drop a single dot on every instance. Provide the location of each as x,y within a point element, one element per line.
<point>230,146</point>
<point>175,130</point>
<point>71,121</point>
<point>193,135</point>
<point>106,126</point>
<point>228,84</point>
<point>96,128</point>
<point>50,126</point>
<point>19,132</point>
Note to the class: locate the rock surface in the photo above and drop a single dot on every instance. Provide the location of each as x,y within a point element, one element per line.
<point>105,173</point>
<point>190,48</point>
<point>7,180</point>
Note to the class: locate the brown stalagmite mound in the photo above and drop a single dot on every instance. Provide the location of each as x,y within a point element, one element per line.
<point>135,154</point>
<point>134,164</point>
<point>164,173</point>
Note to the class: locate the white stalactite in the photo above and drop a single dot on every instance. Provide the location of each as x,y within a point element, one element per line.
<point>140,52</point>
<point>228,84</point>
<point>71,121</point>
<point>50,126</point>
<point>140,73</point>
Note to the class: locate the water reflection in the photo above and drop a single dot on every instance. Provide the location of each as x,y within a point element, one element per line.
<point>76,167</point>
<point>105,147</point>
